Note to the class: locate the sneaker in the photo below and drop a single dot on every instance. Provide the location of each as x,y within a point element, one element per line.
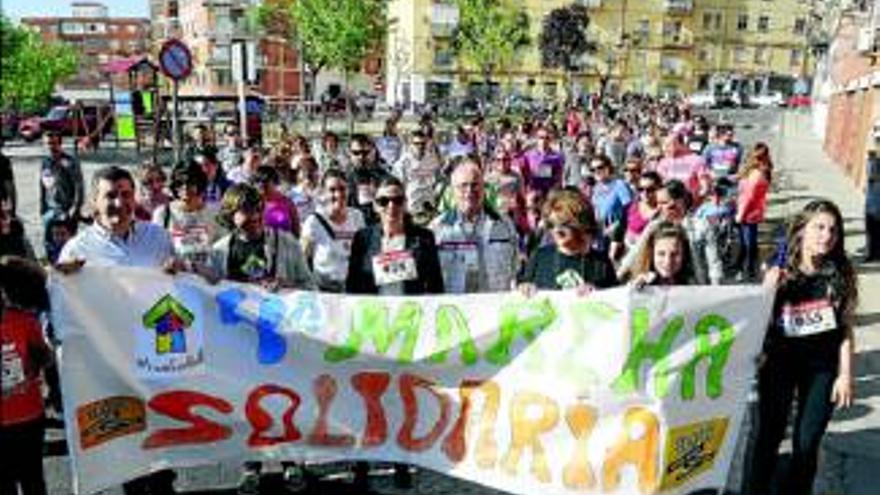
<point>295,478</point>
<point>249,484</point>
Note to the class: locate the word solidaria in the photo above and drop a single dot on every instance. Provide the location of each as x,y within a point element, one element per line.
<point>531,416</point>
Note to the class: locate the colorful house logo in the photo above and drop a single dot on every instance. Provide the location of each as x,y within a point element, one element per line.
<point>169,318</point>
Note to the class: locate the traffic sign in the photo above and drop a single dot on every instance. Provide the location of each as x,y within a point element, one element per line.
<point>175,60</point>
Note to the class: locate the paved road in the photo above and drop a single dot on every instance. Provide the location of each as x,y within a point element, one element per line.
<point>851,449</point>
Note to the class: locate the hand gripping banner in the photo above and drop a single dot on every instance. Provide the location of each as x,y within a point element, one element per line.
<point>618,392</point>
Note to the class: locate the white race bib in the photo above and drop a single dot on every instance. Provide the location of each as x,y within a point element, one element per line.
<point>545,171</point>
<point>394,266</point>
<point>12,374</point>
<point>808,318</point>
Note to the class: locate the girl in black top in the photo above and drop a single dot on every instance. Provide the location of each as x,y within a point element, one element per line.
<point>570,262</point>
<point>808,348</point>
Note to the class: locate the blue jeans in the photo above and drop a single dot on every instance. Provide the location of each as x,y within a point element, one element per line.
<point>748,258</point>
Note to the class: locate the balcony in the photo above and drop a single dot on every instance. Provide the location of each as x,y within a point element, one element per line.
<point>444,60</point>
<point>590,4</point>
<point>677,40</point>
<point>678,7</point>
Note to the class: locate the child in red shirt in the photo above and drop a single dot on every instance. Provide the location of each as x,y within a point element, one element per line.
<point>23,354</point>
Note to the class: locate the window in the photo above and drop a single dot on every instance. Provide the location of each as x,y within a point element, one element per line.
<point>763,24</point>
<point>707,20</point>
<point>704,55</point>
<point>672,30</point>
<point>740,54</point>
<point>800,26</point>
<point>223,77</point>
<point>796,56</point>
<point>760,54</point>
<point>719,19</point>
<point>742,22</point>
<point>643,31</point>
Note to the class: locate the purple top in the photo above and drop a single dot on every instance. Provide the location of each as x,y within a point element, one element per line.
<point>543,170</point>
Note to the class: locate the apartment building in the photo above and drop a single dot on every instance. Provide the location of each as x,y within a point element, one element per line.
<point>654,46</point>
<point>97,37</point>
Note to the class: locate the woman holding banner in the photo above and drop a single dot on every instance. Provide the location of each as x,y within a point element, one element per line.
<point>392,257</point>
<point>808,348</point>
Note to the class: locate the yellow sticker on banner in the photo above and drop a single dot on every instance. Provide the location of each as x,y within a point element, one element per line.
<point>691,450</point>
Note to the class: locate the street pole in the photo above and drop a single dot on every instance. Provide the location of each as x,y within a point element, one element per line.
<point>175,124</point>
<point>239,73</point>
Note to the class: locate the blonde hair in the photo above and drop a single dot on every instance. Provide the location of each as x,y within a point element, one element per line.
<point>568,206</point>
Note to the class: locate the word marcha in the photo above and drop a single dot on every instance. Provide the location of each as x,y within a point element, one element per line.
<point>373,322</point>
<point>531,415</point>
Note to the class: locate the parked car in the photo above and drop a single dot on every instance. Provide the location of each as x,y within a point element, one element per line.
<point>702,99</point>
<point>796,101</point>
<point>66,119</point>
<point>765,100</point>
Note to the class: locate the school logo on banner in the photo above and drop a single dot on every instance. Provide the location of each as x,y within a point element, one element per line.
<point>170,342</point>
<point>692,449</point>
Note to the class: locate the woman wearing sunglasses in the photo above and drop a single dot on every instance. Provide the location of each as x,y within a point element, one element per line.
<point>394,256</point>
<point>570,261</point>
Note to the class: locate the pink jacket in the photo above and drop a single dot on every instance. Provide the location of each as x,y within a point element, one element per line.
<point>686,168</point>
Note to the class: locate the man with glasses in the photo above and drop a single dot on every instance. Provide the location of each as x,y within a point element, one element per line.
<point>366,168</point>
<point>418,169</point>
<point>478,247</point>
<point>544,165</point>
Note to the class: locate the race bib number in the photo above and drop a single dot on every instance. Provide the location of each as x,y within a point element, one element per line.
<point>461,265</point>
<point>808,318</point>
<point>545,171</point>
<point>193,240</point>
<point>394,266</point>
<point>13,368</point>
<point>696,146</point>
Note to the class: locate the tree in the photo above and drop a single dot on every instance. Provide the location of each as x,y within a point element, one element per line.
<point>564,41</point>
<point>30,67</point>
<point>490,34</point>
<point>340,34</point>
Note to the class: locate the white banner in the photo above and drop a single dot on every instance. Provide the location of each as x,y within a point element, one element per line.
<point>619,392</point>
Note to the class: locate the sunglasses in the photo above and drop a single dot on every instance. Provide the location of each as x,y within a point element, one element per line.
<point>358,152</point>
<point>384,201</point>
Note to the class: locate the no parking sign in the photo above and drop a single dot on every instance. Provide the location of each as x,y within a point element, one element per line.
<point>175,60</point>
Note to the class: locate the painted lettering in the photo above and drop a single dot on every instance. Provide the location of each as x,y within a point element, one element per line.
<point>370,322</point>
<point>637,445</point>
<point>577,473</point>
<point>525,319</point>
<point>642,350</point>
<point>526,431</point>
<point>325,391</point>
<point>179,405</point>
<point>406,439</point>
<point>452,328</point>
<point>371,385</point>
<point>455,445</point>
<point>716,354</point>
<point>261,421</point>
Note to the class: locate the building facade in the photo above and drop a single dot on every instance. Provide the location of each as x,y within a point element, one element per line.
<point>654,46</point>
<point>211,29</point>
<point>97,38</point>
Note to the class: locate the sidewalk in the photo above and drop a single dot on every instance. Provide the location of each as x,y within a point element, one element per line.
<point>851,449</point>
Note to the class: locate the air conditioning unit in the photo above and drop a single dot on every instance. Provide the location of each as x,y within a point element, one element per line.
<point>590,4</point>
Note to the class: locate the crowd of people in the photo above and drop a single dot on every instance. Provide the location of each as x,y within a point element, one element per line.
<point>632,191</point>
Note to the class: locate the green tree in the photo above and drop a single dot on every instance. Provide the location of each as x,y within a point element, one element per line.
<point>340,34</point>
<point>564,41</point>
<point>490,35</point>
<point>30,68</point>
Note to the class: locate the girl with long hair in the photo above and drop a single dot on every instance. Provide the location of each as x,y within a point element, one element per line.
<point>751,206</point>
<point>808,348</point>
